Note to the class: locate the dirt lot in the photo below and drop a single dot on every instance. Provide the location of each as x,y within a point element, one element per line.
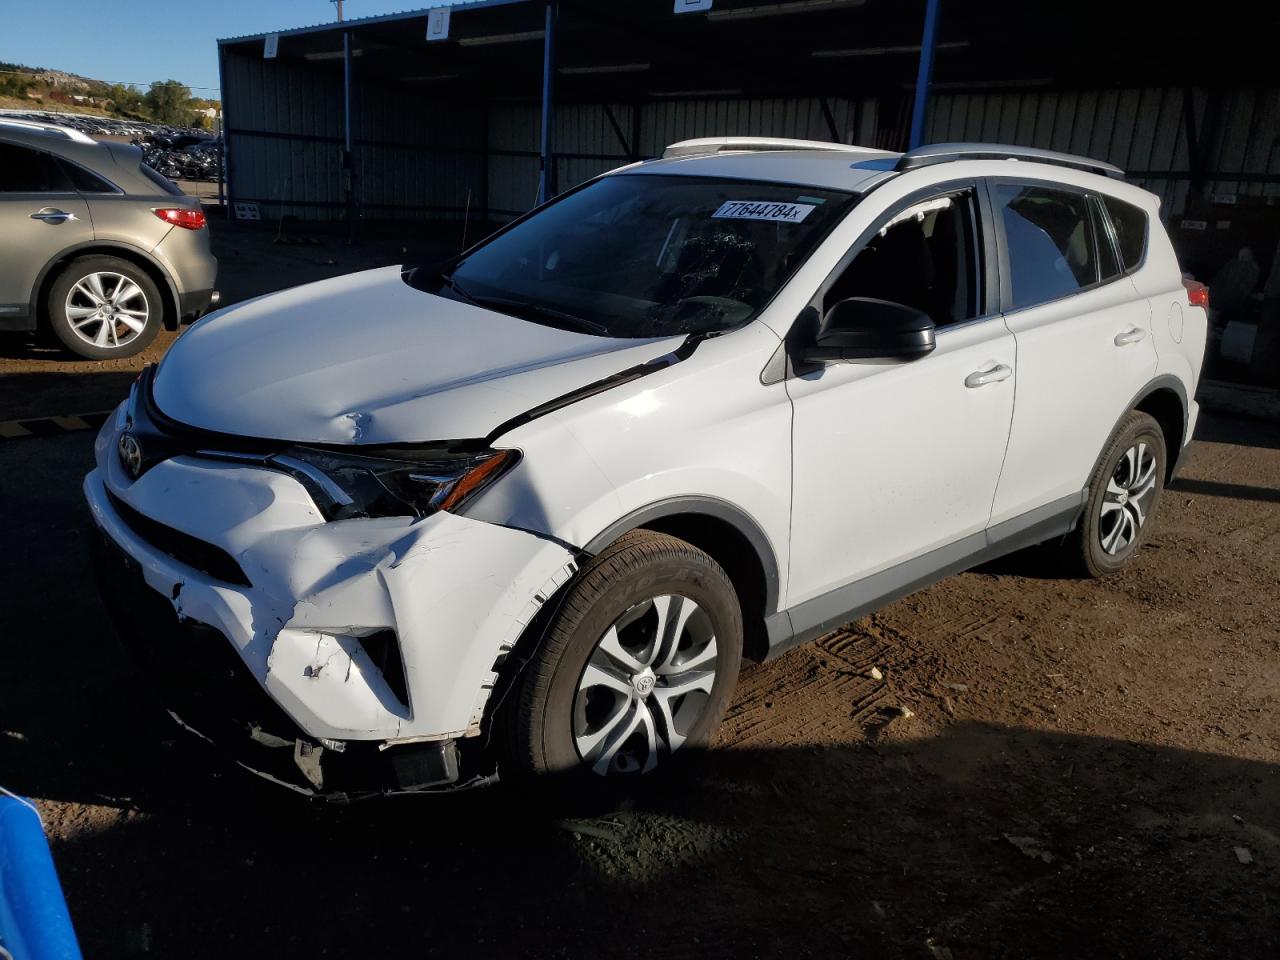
<point>1085,767</point>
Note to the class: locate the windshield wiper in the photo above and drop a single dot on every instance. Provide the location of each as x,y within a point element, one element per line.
<point>517,308</point>
<point>559,317</point>
<point>447,280</point>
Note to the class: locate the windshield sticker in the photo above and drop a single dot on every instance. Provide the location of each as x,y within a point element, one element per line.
<point>763,210</point>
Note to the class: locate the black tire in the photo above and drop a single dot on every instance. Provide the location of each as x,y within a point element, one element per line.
<point>639,566</point>
<point>121,340</point>
<point>1084,552</point>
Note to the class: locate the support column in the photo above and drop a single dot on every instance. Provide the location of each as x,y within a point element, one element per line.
<point>925,73</point>
<point>348,164</point>
<point>224,157</point>
<point>546,169</point>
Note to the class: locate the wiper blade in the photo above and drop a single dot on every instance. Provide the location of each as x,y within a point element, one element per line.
<point>448,281</point>
<point>561,317</point>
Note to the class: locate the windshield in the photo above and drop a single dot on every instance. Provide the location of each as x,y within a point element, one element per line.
<point>648,255</point>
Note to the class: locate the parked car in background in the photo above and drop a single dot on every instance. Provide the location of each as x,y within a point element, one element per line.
<point>95,246</point>
<point>527,512</point>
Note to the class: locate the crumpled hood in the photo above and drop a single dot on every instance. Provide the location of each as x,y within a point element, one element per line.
<point>365,358</point>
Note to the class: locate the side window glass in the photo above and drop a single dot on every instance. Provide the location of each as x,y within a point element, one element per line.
<point>30,171</point>
<point>1050,242</point>
<point>84,181</point>
<point>1130,224</point>
<point>926,257</point>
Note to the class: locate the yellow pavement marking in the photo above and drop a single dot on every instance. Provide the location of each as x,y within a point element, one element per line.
<point>12,428</point>
<point>71,423</point>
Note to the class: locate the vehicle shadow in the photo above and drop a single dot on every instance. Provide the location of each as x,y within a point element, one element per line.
<point>982,841</point>
<point>1216,428</point>
<point>75,388</point>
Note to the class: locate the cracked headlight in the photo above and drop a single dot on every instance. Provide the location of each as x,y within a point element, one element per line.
<point>392,482</point>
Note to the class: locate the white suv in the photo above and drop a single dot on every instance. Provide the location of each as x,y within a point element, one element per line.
<point>526,512</point>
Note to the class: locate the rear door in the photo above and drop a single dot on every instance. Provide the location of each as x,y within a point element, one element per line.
<point>41,214</point>
<point>1083,335</point>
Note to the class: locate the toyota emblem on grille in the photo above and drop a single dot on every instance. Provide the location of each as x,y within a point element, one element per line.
<point>130,454</point>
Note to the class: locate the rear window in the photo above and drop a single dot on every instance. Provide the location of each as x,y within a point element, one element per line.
<point>1130,223</point>
<point>85,181</point>
<point>160,180</point>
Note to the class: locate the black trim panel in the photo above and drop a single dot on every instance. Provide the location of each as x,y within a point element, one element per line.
<point>682,352</point>
<point>183,547</point>
<point>194,304</point>
<point>16,316</point>
<point>824,613</point>
<point>706,506</point>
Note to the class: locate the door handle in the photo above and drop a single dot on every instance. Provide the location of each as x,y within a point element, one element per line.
<point>53,215</point>
<point>1132,335</point>
<point>980,378</point>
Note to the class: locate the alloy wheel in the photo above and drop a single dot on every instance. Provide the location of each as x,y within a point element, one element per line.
<point>107,309</point>
<point>1127,500</point>
<point>645,685</point>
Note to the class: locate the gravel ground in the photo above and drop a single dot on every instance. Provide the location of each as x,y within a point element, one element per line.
<point>1084,768</point>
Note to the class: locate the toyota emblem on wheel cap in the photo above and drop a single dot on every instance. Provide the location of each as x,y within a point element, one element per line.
<point>130,454</point>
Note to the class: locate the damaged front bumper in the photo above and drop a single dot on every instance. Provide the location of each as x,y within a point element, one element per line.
<point>339,658</point>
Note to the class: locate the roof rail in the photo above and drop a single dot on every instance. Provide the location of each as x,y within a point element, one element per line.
<point>705,145</point>
<point>47,129</point>
<point>943,152</point>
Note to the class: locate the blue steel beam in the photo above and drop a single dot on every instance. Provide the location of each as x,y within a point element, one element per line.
<point>348,163</point>
<point>925,73</point>
<point>545,160</point>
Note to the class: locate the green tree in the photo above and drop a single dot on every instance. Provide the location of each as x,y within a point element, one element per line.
<point>170,102</point>
<point>125,101</point>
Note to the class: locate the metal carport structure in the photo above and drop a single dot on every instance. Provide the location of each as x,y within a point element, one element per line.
<point>373,119</point>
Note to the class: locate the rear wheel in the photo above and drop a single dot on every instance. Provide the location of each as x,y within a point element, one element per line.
<point>104,307</point>
<point>1123,494</point>
<point>638,663</point>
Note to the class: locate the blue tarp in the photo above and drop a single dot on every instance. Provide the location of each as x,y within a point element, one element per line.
<point>34,923</point>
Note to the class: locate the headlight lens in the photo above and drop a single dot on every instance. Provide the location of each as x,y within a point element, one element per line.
<point>392,482</point>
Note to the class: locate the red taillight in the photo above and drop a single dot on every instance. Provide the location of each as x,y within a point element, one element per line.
<point>1197,293</point>
<point>181,217</point>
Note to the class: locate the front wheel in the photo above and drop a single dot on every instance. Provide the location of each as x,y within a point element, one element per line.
<point>638,663</point>
<point>1123,493</point>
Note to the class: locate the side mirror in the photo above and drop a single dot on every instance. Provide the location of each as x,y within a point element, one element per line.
<point>861,328</point>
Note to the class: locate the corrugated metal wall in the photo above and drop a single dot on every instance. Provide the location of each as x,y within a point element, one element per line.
<point>1141,130</point>
<point>412,158</point>
<point>587,143</point>
<point>418,158</point>
<point>291,145</point>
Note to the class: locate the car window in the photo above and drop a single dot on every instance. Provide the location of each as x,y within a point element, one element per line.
<point>925,257</point>
<point>1130,224</point>
<point>1050,242</point>
<point>29,171</point>
<point>648,255</point>
<point>84,180</point>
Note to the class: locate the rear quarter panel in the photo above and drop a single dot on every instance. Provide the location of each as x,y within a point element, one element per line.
<point>1179,330</point>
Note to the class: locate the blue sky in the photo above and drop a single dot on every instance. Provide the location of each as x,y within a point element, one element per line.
<point>137,41</point>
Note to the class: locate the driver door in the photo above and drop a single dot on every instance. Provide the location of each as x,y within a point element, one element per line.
<point>892,461</point>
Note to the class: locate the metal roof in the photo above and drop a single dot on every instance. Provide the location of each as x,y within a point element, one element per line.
<point>831,47</point>
<point>421,12</point>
